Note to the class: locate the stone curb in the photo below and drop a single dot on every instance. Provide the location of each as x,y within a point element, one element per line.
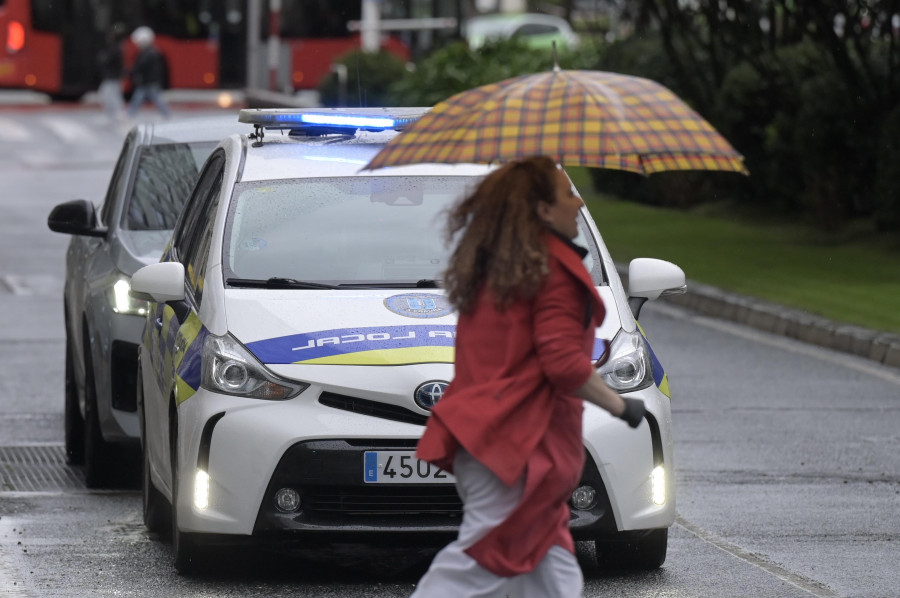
<point>882,347</point>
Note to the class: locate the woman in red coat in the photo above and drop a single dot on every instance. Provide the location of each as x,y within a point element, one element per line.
<point>509,425</point>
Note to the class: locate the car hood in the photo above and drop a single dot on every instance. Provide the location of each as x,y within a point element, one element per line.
<point>348,327</point>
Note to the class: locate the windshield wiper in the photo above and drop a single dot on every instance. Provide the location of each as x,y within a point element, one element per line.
<point>425,283</point>
<point>277,282</point>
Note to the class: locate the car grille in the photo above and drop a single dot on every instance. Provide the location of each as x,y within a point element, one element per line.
<point>383,501</point>
<point>373,408</point>
<point>328,474</point>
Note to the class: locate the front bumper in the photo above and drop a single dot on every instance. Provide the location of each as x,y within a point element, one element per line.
<point>251,449</point>
<point>115,359</point>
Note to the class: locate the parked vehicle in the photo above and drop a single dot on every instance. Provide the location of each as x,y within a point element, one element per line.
<point>154,174</point>
<point>535,29</point>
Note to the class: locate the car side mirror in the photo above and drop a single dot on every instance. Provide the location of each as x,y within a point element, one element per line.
<point>160,282</point>
<point>649,279</point>
<point>76,217</point>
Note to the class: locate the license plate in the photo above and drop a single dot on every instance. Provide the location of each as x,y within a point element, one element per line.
<point>401,467</point>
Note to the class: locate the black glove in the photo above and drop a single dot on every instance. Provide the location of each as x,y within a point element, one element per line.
<point>634,412</point>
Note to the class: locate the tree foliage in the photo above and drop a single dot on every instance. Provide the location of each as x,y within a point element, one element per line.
<point>801,88</point>
<point>369,78</point>
<point>457,67</point>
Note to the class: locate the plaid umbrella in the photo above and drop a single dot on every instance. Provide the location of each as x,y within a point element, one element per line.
<point>586,118</point>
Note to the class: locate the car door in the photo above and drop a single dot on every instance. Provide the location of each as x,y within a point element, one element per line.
<point>175,334</point>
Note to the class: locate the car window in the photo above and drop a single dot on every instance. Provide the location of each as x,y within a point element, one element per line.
<point>163,180</point>
<point>196,219</point>
<point>344,230</point>
<point>118,181</point>
<point>198,251</point>
<point>536,29</point>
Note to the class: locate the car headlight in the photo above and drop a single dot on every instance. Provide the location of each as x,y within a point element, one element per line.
<point>229,368</point>
<point>629,366</point>
<point>122,302</point>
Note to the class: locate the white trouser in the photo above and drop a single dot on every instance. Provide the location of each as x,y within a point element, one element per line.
<point>487,502</point>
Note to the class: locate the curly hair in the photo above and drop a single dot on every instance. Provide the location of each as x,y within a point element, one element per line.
<point>500,242</point>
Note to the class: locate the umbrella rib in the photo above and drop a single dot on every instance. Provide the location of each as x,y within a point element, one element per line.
<point>521,85</point>
<point>609,94</point>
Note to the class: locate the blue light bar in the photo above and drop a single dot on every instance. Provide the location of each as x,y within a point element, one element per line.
<point>349,119</point>
<point>356,122</point>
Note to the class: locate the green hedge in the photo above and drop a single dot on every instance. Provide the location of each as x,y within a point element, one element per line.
<point>370,77</point>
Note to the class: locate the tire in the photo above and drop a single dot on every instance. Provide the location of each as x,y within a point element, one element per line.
<point>99,458</point>
<point>642,550</point>
<point>153,502</point>
<point>185,549</point>
<point>74,422</point>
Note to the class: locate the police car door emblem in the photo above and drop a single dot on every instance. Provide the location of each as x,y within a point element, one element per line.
<point>429,393</point>
<point>419,305</point>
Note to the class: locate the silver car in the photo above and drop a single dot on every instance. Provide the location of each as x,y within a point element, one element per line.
<point>155,172</point>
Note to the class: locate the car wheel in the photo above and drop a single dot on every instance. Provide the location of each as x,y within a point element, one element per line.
<point>184,545</point>
<point>74,422</point>
<point>152,500</point>
<point>98,454</point>
<point>636,550</point>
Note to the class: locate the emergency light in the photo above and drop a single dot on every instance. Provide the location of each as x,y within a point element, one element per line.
<point>321,121</point>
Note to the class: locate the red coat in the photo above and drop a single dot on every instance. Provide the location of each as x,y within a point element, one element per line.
<point>511,406</point>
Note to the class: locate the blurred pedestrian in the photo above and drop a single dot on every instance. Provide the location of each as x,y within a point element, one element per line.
<point>509,426</point>
<point>148,73</point>
<point>111,68</point>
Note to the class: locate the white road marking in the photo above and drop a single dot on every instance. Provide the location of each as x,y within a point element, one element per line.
<point>69,130</point>
<point>13,130</point>
<point>810,586</point>
<point>37,284</point>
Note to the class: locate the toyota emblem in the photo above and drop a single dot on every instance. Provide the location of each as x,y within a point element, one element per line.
<point>429,393</point>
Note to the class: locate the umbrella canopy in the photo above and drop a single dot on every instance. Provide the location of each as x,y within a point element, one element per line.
<point>584,118</point>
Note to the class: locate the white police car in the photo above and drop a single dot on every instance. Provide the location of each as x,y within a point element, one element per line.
<point>297,337</point>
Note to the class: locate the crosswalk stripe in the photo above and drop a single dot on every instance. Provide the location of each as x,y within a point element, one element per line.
<point>68,130</point>
<point>13,130</point>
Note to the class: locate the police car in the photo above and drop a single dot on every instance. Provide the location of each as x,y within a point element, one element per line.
<point>297,337</point>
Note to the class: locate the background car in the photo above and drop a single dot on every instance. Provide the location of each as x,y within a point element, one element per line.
<point>535,29</point>
<point>297,338</point>
<point>154,174</point>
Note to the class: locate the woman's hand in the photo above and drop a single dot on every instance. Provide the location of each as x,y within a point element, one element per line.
<point>595,391</point>
<point>634,411</point>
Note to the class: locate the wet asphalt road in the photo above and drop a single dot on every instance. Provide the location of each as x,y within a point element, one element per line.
<point>787,468</point>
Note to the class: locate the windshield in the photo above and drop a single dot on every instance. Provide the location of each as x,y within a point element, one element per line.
<point>162,183</point>
<point>350,230</point>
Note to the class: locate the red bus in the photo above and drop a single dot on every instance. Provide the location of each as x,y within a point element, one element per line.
<point>52,45</point>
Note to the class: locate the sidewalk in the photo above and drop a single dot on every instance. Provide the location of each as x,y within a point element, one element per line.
<point>223,98</point>
<point>204,97</point>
